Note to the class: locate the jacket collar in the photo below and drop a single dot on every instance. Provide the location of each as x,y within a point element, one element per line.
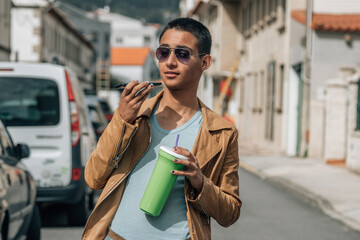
<point>210,119</point>
<point>148,106</point>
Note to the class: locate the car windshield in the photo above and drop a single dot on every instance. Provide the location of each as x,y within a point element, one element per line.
<point>29,101</point>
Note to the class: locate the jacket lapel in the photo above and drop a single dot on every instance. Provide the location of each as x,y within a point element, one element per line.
<point>206,145</point>
<point>148,106</point>
<point>205,148</point>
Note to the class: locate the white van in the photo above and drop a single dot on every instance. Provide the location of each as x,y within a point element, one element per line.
<point>43,106</point>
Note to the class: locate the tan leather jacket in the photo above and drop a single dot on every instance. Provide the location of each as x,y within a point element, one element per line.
<point>122,145</point>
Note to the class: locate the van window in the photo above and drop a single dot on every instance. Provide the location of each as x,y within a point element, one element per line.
<point>29,101</point>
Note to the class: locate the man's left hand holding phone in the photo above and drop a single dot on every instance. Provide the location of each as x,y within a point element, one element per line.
<point>132,97</point>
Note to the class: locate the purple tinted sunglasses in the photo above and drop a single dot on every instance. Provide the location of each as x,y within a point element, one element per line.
<point>182,54</point>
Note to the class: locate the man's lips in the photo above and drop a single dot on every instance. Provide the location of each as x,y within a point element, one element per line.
<point>170,74</point>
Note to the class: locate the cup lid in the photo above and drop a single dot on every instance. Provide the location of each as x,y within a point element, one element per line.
<point>171,152</point>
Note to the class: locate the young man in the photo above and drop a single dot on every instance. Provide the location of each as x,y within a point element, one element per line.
<point>127,151</point>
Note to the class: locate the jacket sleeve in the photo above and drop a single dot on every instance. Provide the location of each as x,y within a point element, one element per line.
<point>221,201</point>
<point>108,152</point>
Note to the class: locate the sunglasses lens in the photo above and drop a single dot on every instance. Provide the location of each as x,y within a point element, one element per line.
<point>183,55</point>
<point>162,54</point>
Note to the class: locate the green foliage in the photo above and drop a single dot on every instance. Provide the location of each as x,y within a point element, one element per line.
<point>150,11</point>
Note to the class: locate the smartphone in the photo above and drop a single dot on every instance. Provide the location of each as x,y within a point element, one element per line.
<point>123,85</point>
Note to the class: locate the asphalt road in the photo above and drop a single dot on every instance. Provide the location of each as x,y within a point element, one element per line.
<point>268,212</point>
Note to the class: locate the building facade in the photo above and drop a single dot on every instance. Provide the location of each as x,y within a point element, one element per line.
<point>94,31</point>
<point>335,48</point>
<point>132,45</point>
<point>129,64</point>
<point>5,24</point>
<point>126,31</point>
<point>40,33</point>
<point>250,47</point>
<point>351,136</point>
<point>283,93</point>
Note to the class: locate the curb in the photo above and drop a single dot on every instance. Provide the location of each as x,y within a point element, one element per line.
<point>305,195</point>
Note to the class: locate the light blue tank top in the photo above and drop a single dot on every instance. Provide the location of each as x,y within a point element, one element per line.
<point>130,222</point>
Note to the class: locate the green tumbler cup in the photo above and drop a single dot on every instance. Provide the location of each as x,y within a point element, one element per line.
<point>161,182</point>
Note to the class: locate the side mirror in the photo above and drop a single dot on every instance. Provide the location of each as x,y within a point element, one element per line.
<point>22,151</point>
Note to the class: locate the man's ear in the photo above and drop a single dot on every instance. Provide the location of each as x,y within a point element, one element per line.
<point>206,62</point>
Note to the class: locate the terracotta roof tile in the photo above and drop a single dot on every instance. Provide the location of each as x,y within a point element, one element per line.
<point>129,56</point>
<point>330,22</point>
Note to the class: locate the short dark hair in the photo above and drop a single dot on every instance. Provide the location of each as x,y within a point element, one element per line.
<point>194,27</point>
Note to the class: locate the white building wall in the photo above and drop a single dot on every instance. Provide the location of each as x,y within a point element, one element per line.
<point>329,6</point>
<point>297,4</point>
<point>186,6</point>
<point>128,32</point>
<point>5,23</point>
<point>353,137</point>
<point>25,21</point>
<point>206,90</point>
<point>127,72</point>
<point>39,3</point>
<point>81,64</point>
<point>264,43</point>
<point>336,6</point>
<point>336,120</point>
<point>214,26</point>
<point>331,53</point>
<point>317,128</point>
<point>292,117</point>
<point>37,35</point>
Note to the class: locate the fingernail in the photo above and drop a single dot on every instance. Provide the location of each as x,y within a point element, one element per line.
<point>175,160</point>
<point>151,85</point>
<point>175,149</point>
<point>172,171</point>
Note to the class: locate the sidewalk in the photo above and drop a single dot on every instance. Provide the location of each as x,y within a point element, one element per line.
<point>334,190</point>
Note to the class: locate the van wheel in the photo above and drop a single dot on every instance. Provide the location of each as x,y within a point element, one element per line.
<point>34,230</point>
<point>78,213</point>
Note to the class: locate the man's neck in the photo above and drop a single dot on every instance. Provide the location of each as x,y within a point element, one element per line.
<point>179,101</point>
<point>176,108</point>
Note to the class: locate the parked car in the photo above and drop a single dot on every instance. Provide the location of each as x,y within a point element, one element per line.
<point>43,105</point>
<point>106,108</point>
<point>19,215</point>
<point>97,116</point>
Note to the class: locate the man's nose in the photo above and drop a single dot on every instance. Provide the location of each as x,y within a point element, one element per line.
<point>172,60</point>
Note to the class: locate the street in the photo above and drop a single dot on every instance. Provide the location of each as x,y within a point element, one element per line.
<point>268,212</point>
<point>284,73</point>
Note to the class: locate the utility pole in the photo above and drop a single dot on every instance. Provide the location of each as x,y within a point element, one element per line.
<point>306,73</point>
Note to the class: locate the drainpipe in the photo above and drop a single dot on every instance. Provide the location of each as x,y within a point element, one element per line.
<point>306,71</point>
